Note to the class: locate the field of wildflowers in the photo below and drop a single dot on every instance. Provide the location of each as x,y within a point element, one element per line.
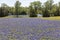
<point>29,29</point>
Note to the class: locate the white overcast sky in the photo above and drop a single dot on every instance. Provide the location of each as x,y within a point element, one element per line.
<point>23,2</point>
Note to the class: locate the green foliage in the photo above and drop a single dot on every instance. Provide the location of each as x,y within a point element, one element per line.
<point>12,10</point>
<point>23,13</point>
<point>47,9</point>
<point>17,8</point>
<point>46,14</point>
<point>32,14</point>
<point>59,9</point>
<point>35,8</point>
<point>24,10</point>
<point>3,10</point>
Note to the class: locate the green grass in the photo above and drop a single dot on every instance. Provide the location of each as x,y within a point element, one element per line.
<point>51,18</point>
<point>15,16</point>
<point>9,17</point>
<point>44,18</point>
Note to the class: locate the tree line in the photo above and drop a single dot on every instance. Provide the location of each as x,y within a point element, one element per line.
<point>47,9</point>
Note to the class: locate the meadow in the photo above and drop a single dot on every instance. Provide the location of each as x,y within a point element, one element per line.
<point>44,18</point>
<point>36,21</point>
<point>29,29</point>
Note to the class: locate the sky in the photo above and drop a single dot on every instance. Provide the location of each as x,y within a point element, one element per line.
<point>24,3</point>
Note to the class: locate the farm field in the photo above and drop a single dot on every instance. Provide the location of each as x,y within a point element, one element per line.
<point>29,29</point>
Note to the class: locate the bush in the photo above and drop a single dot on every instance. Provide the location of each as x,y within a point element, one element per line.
<point>33,14</point>
<point>46,14</point>
<point>3,12</point>
<point>23,13</point>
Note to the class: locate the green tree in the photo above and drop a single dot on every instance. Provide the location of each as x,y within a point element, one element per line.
<point>17,6</point>
<point>59,8</point>
<point>24,10</point>
<point>12,10</point>
<point>35,7</point>
<point>48,8</point>
<point>4,10</point>
<point>54,10</point>
<point>32,14</point>
<point>50,3</point>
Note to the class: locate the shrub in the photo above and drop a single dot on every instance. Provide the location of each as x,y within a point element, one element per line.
<point>33,14</point>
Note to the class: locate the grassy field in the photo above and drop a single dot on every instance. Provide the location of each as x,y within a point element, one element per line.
<point>51,18</point>
<point>45,18</point>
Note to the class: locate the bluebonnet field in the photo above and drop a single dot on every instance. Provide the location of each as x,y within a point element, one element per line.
<point>29,29</point>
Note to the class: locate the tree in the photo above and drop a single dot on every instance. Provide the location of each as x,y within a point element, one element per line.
<point>17,6</point>
<point>32,14</point>
<point>54,10</point>
<point>48,8</point>
<point>12,10</point>
<point>34,7</point>
<point>24,11</point>
<point>4,10</point>
<point>59,9</point>
<point>50,4</point>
